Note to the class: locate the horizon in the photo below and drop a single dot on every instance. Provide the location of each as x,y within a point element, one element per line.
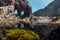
<point>35,6</point>
<point>39,4</point>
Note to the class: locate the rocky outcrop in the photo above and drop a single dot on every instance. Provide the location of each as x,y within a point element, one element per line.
<point>6,2</point>
<point>53,9</point>
<point>23,5</point>
<point>7,16</point>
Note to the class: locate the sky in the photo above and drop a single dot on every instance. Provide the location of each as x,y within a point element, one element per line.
<point>39,4</point>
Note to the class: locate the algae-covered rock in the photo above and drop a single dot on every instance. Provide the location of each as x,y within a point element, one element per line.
<point>20,34</point>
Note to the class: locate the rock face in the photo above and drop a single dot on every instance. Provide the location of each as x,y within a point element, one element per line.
<point>7,10</point>
<point>7,16</point>
<point>6,2</point>
<point>53,9</point>
<point>23,5</point>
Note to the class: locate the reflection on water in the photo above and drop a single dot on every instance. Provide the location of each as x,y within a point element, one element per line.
<point>21,25</point>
